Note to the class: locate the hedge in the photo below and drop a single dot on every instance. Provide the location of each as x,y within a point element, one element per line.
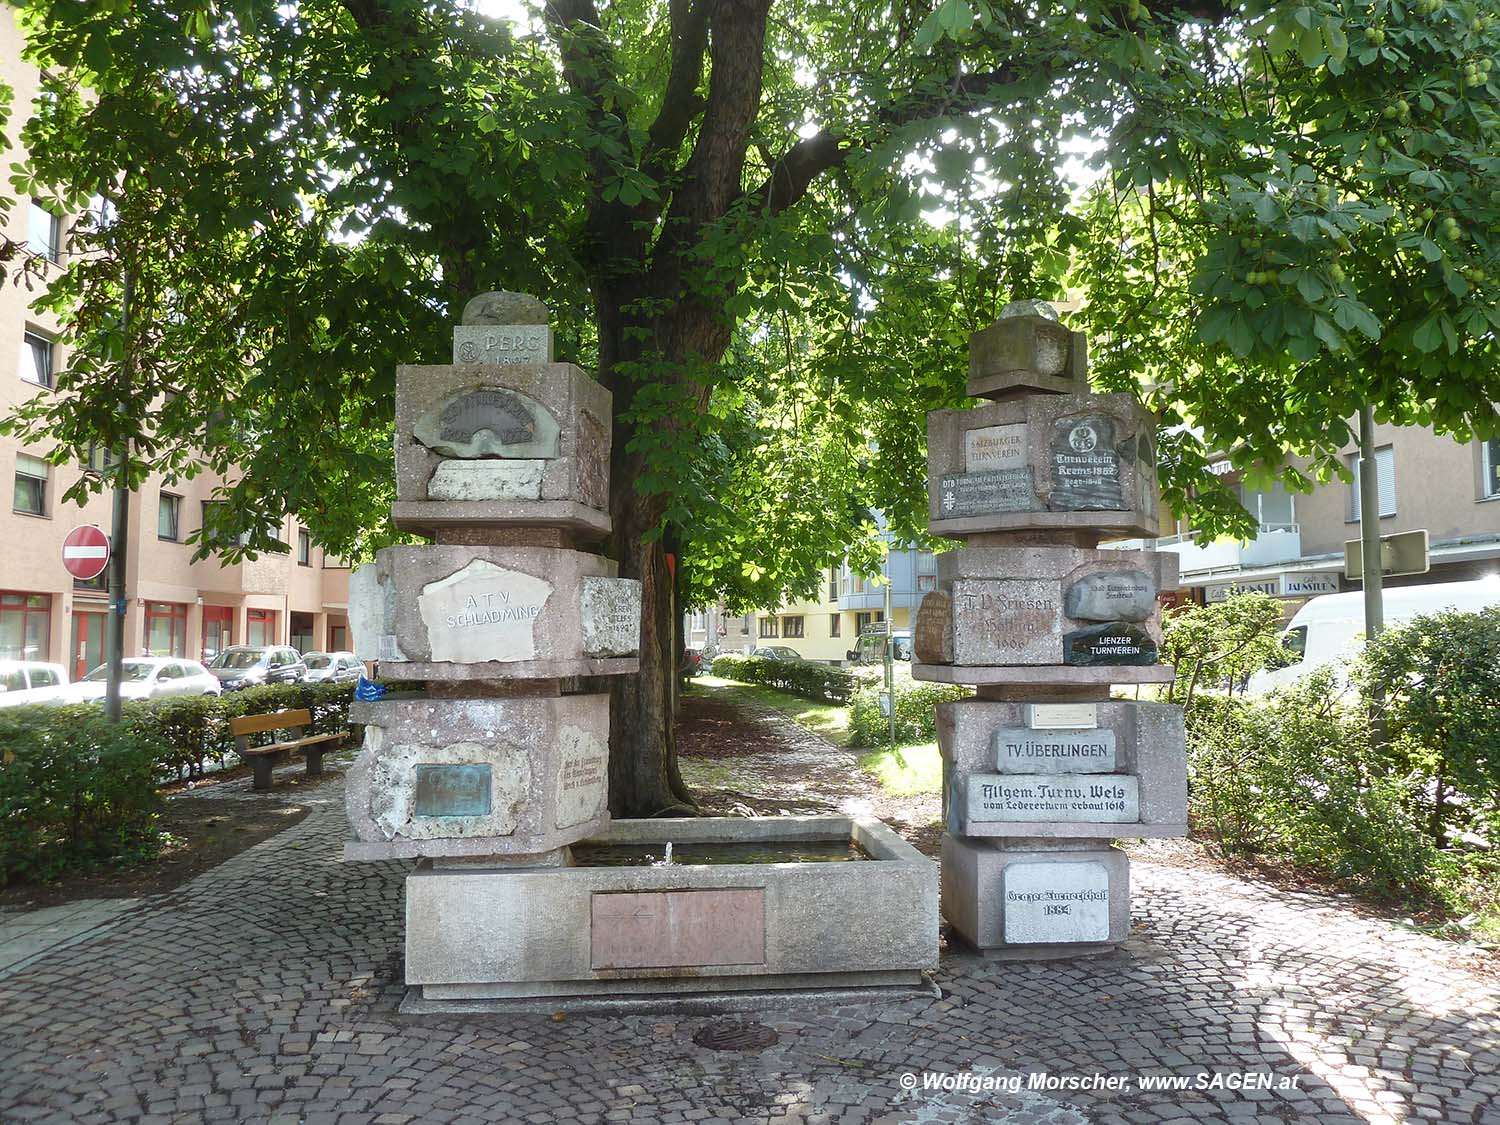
<point>191,730</point>
<point>799,677</point>
<point>913,704</point>
<point>78,793</point>
<point>75,792</point>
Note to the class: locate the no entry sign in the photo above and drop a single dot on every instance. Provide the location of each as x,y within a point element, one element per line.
<point>86,552</point>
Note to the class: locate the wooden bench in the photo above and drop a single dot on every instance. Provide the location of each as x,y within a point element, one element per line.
<point>263,759</point>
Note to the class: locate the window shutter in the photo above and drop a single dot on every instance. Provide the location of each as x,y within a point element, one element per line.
<point>1385,472</point>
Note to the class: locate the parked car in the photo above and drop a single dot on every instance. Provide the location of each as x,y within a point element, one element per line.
<point>332,667</point>
<point>870,648</point>
<point>775,652</point>
<point>29,681</point>
<point>1330,629</point>
<point>148,677</point>
<point>242,666</point>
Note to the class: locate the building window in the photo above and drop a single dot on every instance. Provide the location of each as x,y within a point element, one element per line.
<point>862,621</point>
<point>45,236</point>
<point>768,627</point>
<point>1276,508</point>
<point>31,485</point>
<point>1385,475</point>
<point>338,638</point>
<point>835,623</point>
<point>168,519</point>
<point>304,548</point>
<point>97,584</point>
<point>166,629</point>
<point>926,562</point>
<point>36,359</point>
<point>260,626</point>
<point>25,626</point>
<point>98,460</point>
<point>926,582</point>
<point>833,586</point>
<point>791,627</point>
<point>1489,481</point>
<point>240,540</point>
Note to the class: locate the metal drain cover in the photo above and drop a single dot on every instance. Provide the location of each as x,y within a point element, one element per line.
<point>735,1036</point>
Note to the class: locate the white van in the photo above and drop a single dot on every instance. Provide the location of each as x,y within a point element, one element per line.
<point>1331,629</point>
<point>27,681</point>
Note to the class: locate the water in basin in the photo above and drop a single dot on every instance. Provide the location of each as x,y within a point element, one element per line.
<point>655,855</point>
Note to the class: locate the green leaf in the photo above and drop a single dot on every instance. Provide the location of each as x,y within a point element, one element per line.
<point>1428,335</point>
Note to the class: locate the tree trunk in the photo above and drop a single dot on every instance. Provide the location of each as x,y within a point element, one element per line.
<point>643,775</point>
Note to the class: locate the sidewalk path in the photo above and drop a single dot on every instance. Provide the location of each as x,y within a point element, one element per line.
<point>265,990</point>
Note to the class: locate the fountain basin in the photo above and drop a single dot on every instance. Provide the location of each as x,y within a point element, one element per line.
<point>479,933</point>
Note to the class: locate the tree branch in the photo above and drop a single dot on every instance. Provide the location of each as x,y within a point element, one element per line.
<point>792,175</point>
<point>680,101</point>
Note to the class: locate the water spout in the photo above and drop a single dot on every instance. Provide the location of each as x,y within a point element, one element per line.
<point>666,859</point>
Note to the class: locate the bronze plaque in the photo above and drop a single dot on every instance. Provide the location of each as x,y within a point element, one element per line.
<point>677,929</point>
<point>457,790</point>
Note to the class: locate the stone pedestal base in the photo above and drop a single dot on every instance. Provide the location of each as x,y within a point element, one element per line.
<point>1036,898</point>
<point>519,776</point>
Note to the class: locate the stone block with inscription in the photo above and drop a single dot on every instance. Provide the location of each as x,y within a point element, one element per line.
<point>1143,741</point>
<point>1044,605</point>
<point>1016,898</point>
<point>496,776</point>
<point>1065,462</point>
<point>449,612</point>
<point>511,445</point>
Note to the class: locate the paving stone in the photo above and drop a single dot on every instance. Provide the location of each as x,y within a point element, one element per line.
<point>266,990</point>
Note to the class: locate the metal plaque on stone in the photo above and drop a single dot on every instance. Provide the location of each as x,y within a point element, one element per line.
<point>983,493</point>
<point>1086,465</point>
<point>452,790</point>
<point>1117,643</point>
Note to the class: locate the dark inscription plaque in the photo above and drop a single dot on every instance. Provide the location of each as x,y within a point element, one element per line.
<point>1086,465</point>
<point>500,412</point>
<point>1117,643</point>
<point>978,494</point>
<point>452,791</point>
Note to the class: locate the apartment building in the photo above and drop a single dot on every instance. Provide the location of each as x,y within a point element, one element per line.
<point>825,628</point>
<point>1429,483</point>
<point>176,607</point>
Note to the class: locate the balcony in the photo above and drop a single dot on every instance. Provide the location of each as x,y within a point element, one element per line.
<point>1275,544</point>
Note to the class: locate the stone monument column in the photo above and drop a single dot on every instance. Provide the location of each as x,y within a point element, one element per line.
<point>1042,769</point>
<point>507,619</point>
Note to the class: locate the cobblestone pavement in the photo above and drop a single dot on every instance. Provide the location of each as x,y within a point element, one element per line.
<point>266,991</point>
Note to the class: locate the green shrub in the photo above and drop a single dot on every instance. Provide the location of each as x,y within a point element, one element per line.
<point>798,677</point>
<point>1435,685</point>
<point>75,792</point>
<point>1221,646</point>
<point>1294,777</point>
<point>913,705</point>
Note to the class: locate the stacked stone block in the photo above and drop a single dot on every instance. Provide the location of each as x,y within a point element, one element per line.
<point>1042,769</point>
<point>508,618</point>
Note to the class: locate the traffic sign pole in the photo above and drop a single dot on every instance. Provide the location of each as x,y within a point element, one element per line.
<point>119,538</point>
<point>1369,526</point>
